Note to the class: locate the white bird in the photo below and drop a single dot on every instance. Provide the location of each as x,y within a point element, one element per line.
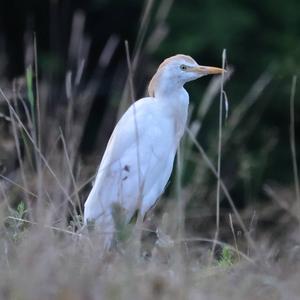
<point>139,156</point>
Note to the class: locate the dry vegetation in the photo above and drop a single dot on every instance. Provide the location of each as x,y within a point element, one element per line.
<point>46,254</point>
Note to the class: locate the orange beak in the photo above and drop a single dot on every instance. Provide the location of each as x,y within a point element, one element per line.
<point>204,70</point>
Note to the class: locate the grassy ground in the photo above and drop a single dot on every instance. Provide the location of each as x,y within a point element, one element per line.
<point>40,261</point>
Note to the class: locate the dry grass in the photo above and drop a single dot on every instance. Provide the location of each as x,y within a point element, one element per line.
<point>38,262</point>
<point>45,253</point>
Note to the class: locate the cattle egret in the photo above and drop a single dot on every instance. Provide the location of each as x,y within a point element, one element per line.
<point>139,156</point>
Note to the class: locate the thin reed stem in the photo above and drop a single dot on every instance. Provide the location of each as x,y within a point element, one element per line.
<point>71,173</point>
<point>38,127</point>
<point>293,143</point>
<point>37,150</point>
<point>223,187</point>
<point>140,183</point>
<point>219,153</point>
<point>180,202</point>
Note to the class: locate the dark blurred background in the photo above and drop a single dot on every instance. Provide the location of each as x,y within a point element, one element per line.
<point>262,42</point>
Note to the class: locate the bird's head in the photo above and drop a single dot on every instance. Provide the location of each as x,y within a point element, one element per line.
<point>177,70</point>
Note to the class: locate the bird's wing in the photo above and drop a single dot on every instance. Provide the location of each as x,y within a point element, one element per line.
<point>130,130</point>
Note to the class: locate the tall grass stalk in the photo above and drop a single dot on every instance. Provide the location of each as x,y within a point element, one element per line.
<point>36,148</point>
<point>293,143</point>
<point>180,223</point>
<point>38,119</point>
<point>70,169</point>
<point>224,189</point>
<point>179,195</point>
<point>139,221</point>
<point>219,152</point>
<point>18,149</point>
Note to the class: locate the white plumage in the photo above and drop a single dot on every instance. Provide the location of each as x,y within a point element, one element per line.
<point>139,157</point>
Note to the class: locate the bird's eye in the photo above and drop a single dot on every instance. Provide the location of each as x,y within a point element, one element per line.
<point>183,67</point>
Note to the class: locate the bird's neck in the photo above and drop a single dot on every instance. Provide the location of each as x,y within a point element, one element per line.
<point>172,91</point>
<point>172,95</point>
<point>176,97</point>
<point>176,103</point>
